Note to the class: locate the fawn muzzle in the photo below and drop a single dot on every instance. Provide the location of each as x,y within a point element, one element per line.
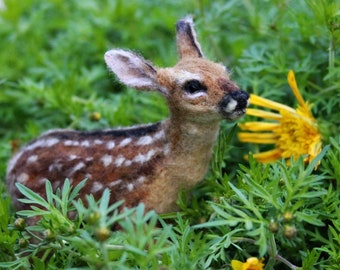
<point>233,105</point>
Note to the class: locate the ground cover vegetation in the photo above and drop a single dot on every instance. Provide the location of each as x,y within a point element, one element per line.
<point>52,75</point>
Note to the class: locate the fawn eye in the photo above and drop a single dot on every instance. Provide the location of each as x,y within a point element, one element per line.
<point>194,86</point>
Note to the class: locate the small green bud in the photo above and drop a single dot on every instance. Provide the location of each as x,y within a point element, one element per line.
<point>49,235</point>
<point>20,224</point>
<point>67,228</point>
<point>289,231</point>
<point>273,226</point>
<point>23,243</point>
<point>93,218</point>
<point>102,234</point>
<point>202,220</point>
<point>282,182</point>
<point>95,116</point>
<point>287,216</point>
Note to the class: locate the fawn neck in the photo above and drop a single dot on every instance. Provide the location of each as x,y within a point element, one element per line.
<point>191,145</point>
<point>191,149</point>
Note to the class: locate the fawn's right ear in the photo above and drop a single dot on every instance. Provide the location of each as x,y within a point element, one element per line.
<point>133,70</point>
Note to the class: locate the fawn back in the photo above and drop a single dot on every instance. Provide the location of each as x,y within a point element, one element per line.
<point>146,163</point>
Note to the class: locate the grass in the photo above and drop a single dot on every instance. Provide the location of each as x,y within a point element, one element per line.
<point>52,75</point>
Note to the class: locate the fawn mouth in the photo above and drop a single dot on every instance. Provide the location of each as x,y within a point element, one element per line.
<point>234,104</point>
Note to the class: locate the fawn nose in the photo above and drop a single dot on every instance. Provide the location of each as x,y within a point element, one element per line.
<point>234,104</point>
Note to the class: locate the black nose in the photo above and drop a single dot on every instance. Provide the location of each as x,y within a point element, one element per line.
<point>233,105</point>
<point>241,97</point>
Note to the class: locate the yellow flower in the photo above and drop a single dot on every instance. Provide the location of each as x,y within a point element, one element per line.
<point>251,264</point>
<point>294,132</point>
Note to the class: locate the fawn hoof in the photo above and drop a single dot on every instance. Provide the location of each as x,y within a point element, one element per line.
<point>234,104</point>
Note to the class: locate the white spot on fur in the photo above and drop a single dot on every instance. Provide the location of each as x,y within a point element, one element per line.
<point>110,145</point>
<point>42,181</point>
<point>231,106</point>
<point>145,140</point>
<point>88,176</point>
<point>13,162</point>
<point>125,142</point>
<point>107,160</point>
<point>85,143</point>
<point>96,141</point>
<point>68,143</point>
<point>196,95</point>
<point>127,163</point>
<point>71,143</point>
<point>159,135</point>
<point>41,143</point>
<point>89,158</point>
<point>51,141</point>
<point>55,166</point>
<point>119,160</point>
<point>166,149</point>
<point>140,180</point>
<point>181,76</point>
<point>115,183</point>
<point>76,168</point>
<point>72,157</point>
<point>23,178</point>
<point>32,159</point>
<point>96,187</point>
<point>140,158</point>
<point>130,187</point>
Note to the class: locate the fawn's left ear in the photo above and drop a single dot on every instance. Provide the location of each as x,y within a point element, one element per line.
<point>133,70</point>
<point>187,43</point>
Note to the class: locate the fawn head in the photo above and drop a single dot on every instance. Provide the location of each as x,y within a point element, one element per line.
<point>196,89</point>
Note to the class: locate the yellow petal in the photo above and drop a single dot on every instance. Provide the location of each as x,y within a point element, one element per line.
<point>260,101</point>
<point>236,265</point>
<point>263,114</point>
<point>268,156</point>
<point>259,126</point>
<point>293,85</point>
<point>260,138</point>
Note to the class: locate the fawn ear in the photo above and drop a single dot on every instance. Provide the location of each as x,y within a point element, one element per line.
<point>133,70</point>
<point>187,44</point>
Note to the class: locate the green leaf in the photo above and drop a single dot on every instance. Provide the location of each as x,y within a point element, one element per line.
<point>310,217</point>
<point>32,197</point>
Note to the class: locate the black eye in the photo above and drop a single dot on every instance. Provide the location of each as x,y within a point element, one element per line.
<point>194,86</point>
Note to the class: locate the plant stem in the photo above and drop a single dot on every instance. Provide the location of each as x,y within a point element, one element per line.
<point>272,250</point>
<point>286,262</point>
<point>273,255</point>
<point>105,256</point>
<point>331,53</point>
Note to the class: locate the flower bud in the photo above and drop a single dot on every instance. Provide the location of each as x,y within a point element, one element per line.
<point>23,243</point>
<point>282,182</point>
<point>273,226</point>
<point>288,216</point>
<point>95,116</point>
<point>49,235</point>
<point>93,218</point>
<point>20,224</point>
<point>102,234</point>
<point>289,231</point>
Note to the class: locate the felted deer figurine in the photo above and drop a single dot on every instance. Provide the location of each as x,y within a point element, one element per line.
<point>146,163</point>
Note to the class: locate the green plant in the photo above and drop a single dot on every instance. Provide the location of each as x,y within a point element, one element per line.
<point>52,75</point>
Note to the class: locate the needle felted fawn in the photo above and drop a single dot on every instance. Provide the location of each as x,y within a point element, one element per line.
<point>146,163</point>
